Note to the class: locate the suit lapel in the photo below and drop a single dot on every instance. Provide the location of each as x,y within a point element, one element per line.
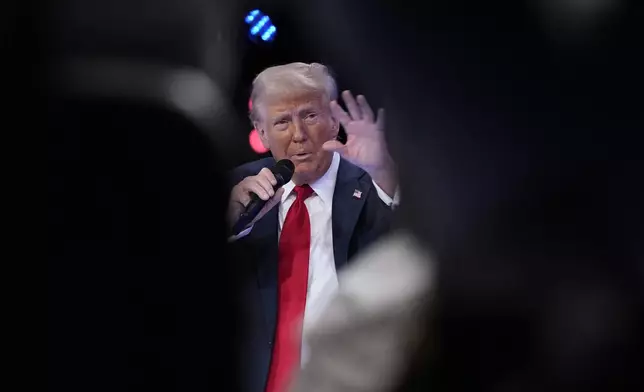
<point>265,233</point>
<point>348,199</point>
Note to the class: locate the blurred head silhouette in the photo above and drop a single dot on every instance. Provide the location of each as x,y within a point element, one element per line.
<point>137,262</point>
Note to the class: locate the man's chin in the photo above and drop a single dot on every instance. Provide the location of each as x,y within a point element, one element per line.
<point>309,169</point>
<point>305,172</point>
<point>304,168</point>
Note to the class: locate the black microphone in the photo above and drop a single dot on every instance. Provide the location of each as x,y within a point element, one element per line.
<point>283,171</point>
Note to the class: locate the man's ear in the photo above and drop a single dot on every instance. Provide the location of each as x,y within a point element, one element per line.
<point>262,134</point>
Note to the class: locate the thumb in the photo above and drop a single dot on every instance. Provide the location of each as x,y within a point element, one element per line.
<point>333,145</point>
<point>272,202</point>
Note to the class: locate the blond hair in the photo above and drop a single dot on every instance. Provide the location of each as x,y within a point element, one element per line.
<point>283,79</point>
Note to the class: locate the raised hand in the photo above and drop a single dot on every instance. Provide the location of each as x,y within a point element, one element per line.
<point>365,146</point>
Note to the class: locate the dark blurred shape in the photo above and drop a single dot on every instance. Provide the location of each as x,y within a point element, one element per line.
<point>516,126</point>
<point>141,293</point>
<point>136,253</point>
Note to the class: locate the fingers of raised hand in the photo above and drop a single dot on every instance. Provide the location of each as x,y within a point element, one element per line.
<point>352,105</point>
<point>340,114</point>
<point>359,109</point>
<point>333,145</point>
<point>380,122</point>
<point>367,113</point>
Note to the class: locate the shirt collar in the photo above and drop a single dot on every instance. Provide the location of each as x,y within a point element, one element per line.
<point>323,186</point>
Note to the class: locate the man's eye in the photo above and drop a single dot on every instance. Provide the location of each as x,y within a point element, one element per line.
<point>280,122</point>
<point>311,116</point>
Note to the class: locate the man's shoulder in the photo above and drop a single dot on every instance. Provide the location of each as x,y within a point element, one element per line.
<point>256,165</point>
<point>349,172</point>
<point>353,178</point>
<point>249,169</point>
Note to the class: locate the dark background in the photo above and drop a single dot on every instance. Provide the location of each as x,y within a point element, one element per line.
<point>526,182</point>
<point>291,44</point>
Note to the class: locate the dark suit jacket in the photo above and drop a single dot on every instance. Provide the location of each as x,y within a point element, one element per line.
<point>356,223</point>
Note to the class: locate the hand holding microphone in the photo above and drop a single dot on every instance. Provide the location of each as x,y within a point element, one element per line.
<point>255,195</point>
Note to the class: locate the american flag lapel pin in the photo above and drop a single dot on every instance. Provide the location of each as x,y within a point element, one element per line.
<point>357,194</point>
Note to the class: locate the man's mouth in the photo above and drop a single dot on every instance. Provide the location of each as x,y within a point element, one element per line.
<point>301,155</point>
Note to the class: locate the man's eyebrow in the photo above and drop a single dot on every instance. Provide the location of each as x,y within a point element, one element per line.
<point>280,116</point>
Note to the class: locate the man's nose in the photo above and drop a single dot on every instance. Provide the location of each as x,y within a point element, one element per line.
<point>299,131</point>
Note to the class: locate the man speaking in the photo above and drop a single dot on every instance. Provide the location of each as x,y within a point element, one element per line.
<point>337,202</point>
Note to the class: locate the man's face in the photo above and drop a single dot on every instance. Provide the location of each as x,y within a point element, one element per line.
<point>295,127</point>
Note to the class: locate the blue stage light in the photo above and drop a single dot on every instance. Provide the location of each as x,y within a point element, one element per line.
<point>260,25</point>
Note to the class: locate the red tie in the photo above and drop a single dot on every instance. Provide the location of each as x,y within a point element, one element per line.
<point>293,275</point>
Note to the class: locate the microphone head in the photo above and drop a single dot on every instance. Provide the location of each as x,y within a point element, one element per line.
<point>283,171</point>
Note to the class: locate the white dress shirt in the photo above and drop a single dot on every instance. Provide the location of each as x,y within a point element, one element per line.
<point>323,279</point>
